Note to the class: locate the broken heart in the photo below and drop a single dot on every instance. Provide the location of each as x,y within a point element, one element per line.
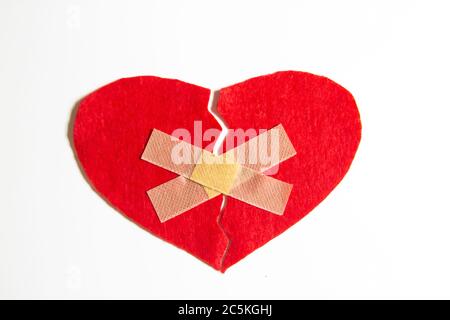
<point>113,125</point>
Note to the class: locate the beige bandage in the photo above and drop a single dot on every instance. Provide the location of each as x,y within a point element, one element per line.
<point>207,175</point>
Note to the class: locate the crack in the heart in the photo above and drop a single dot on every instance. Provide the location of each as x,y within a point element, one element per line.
<point>219,223</point>
<point>212,108</point>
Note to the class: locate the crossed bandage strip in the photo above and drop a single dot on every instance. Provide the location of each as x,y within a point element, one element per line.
<point>206,175</point>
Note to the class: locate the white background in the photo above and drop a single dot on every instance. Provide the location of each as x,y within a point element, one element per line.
<point>383,233</point>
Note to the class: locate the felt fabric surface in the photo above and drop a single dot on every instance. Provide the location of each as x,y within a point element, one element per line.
<point>111,129</point>
<point>113,124</point>
<point>323,123</point>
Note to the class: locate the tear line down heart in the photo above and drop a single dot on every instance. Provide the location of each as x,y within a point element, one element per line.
<point>112,126</point>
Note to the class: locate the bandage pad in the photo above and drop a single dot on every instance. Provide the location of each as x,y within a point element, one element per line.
<point>216,172</point>
<point>209,175</point>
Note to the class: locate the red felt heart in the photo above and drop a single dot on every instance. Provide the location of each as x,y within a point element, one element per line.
<point>113,124</point>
